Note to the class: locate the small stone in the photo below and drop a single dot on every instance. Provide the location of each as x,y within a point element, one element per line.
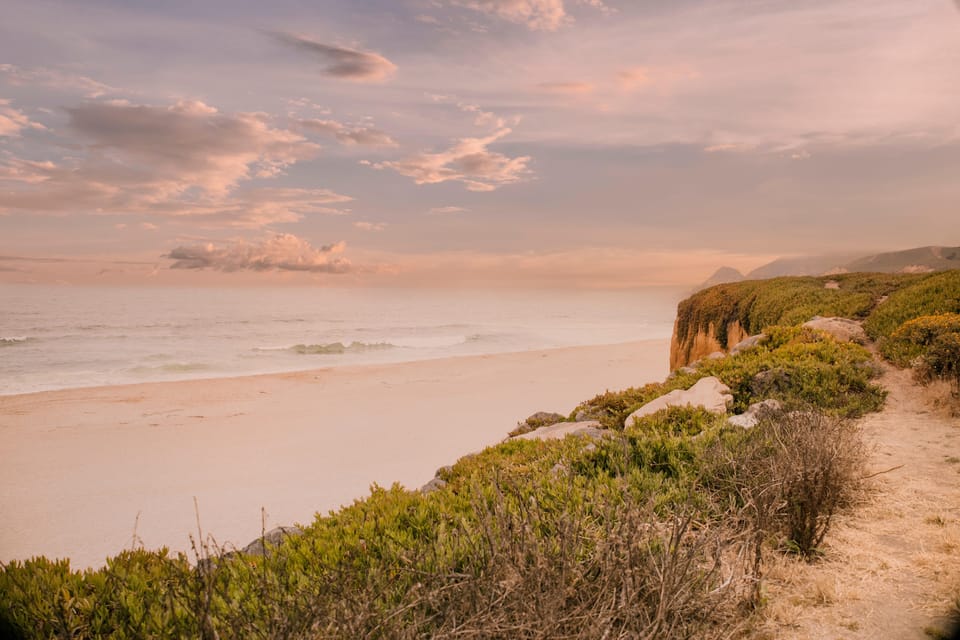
<point>749,418</point>
<point>433,485</point>
<point>748,343</point>
<point>272,538</point>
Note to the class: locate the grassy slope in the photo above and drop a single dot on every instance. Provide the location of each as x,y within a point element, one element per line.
<point>789,301</point>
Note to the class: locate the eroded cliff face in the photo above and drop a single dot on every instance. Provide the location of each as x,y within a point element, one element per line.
<point>701,343</point>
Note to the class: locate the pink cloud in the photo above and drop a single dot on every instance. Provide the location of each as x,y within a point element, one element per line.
<point>469,162</point>
<point>567,88</point>
<point>544,15</point>
<point>13,121</point>
<point>342,62</point>
<point>446,210</point>
<point>347,135</point>
<point>183,160</point>
<point>55,79</point>
<point>370,226</point>
<point>280,252</point>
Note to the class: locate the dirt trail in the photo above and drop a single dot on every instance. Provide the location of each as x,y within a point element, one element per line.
<point>892,566</point>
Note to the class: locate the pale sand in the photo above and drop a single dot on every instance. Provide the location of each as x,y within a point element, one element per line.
<point>80,464</point>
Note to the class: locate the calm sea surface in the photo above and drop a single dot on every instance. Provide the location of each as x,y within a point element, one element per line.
<point>55,337</point>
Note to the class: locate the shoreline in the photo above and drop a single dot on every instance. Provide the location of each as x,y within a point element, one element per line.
<point>322,368</point>
<point>87,463</point>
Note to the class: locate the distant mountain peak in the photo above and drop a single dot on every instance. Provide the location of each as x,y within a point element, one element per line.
<point>722,275</point>
<point>916,260</point>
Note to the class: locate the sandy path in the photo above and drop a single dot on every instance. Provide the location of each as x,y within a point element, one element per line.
<point>892,567</point>
<point>78,465</point>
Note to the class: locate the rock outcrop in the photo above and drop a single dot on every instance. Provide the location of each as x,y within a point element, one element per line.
<point>702,343</point>
<point>748,343</point>
<point>709,393</point>
<point>749,418</point>
<point>272,538</point>
<point>433,485</point>
<point>537,420</point>
<point>590,428</point>
<point>842,329</point>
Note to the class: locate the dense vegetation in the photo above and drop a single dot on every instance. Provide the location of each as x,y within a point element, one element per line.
<point>883,301</point>
<point>912,317</point>
<point>654,530</point>
<point>756,304</point>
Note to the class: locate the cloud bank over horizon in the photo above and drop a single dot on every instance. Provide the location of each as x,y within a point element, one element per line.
<point>281,252</point>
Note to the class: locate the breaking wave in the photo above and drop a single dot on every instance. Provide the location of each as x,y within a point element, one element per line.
<point>336,348</point>
<point>9,341</point>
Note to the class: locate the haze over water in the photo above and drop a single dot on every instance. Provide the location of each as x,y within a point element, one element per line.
<point>61,337</point>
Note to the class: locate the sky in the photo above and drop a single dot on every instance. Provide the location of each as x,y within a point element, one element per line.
<point>587,143</point>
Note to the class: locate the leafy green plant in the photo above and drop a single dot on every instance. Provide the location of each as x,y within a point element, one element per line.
<point>931,294</point>
<point>942,360</point>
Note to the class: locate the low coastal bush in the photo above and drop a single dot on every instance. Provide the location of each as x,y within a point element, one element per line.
<point>932,294</point>
<point>915,337</point>
<point>795,365</point>
<point>757,304</point>
<point>941,360</point>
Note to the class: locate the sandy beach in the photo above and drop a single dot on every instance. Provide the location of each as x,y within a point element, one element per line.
<point>81,464</point>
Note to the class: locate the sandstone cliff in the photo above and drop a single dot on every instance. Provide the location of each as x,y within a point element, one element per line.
<point>700,342</point>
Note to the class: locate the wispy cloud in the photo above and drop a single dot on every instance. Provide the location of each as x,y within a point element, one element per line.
<point>370,226</point>
<point>280,252</point>
<point>349,135</point>
<point>663,78</point>
<point>468,161</point>
<point>440,211</point>
<point>55,79</point>
<point>341,62</point>
<point>567,88</point>
<point>13,121</point>
<point>481,116</point>
<point>545,15</point>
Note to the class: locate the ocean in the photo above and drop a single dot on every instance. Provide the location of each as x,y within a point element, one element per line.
<point>58,337</point>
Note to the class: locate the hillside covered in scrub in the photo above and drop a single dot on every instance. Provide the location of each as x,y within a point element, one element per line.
<point>656,527</point>
<point>717,318</point>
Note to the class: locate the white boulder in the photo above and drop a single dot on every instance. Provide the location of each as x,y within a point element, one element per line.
<point>749,418</point>
<point>842,329</point>
<point>709,393</point>
<point>590,428</point>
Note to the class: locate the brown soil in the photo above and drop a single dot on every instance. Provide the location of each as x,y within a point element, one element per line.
<point>891,567</point>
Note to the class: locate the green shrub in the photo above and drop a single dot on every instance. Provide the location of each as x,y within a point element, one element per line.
<point>914,337</point>
<point>942,360</point>
<point>931,294</point>
<point>757,304</point>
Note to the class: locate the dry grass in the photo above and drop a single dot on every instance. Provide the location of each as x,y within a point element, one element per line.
<point>893,564</point>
